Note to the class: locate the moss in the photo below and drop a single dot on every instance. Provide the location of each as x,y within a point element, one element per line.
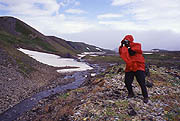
<point>105,59</point>
<point>8,38</point>
<point>173,115</point>
<point>164,59</point>
<point>25,41</point>
<point>122,104</point>
<point>22,29</point>
<point>16,58</point>
<point>64,95</point>
<point>110,112</point>
<point>79,90</point>
<point>44,45</point>
<point>24,68</point>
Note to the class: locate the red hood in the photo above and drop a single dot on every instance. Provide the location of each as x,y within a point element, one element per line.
<point>128,37</point>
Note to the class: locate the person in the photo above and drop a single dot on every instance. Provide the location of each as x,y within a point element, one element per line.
<point>131,53</point>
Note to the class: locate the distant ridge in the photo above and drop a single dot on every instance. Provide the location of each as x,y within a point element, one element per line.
<point>159,50</point>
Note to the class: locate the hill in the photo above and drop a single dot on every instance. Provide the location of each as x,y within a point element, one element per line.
<point>17,33</point>
<point>21,75</point>
<point>100,97</point>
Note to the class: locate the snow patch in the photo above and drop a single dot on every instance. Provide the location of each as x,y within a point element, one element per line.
<point>147,53</point>
<point>93,53</point>
<point>90,54</point>
<point>98,49</point>
<point>87,48</point>
<point>93,74</point>
<point>81,56</point>
<point>57,61</point>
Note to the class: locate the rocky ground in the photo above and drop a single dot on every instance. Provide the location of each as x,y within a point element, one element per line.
<point>15,85</point>
<point>105,98</point>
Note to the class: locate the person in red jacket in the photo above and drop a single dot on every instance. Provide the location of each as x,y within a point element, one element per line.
<point>131,53</point>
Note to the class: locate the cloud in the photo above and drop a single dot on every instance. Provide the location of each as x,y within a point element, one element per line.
<point>111,39</point>
<point>46,16</point>
<point>161,9</point>
<point>37,7</point>
<point>57,25</point>
<point>121,2</point>
<point>64,3</point>
<point>77,3</point>
<point>31,8</point>
<point>124,25</point>
<point>75,11</point>
<point>109,15</point>
<point>151,14</point>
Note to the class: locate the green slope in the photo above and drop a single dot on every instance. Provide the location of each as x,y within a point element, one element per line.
<point>19,34</point>
<point>18,60</point>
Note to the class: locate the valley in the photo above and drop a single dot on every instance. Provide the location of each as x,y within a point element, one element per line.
<point>48,78</point>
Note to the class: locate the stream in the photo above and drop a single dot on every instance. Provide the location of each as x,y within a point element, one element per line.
<point>16,111</point>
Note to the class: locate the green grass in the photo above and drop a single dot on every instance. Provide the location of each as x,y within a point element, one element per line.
<point>22,60</point>
<point>9,38</point>
<point>164,59</point>
<point>173,115</point>
<point>22,29</point>
<point>65,95</point>
<point>110,112</point>
<point>164,56</point>
<point>39,42</point>
<point>17,58</point>
<point>26,42</point>
<point>106,59</point>
<point>24,68</point>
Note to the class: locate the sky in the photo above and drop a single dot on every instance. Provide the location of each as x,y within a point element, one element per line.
<point>104,23</point>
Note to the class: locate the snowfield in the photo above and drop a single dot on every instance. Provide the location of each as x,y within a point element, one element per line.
<point>147,53</point>
<point>57,61</point>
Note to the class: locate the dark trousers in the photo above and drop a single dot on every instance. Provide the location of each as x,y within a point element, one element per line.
<point>140,76</point>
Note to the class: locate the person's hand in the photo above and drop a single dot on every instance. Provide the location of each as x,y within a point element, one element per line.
<point>121,44</point>
<point>127,44</point>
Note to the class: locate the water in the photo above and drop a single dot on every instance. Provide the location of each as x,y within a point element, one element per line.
<point>27,104</point>
<point>16,111</point>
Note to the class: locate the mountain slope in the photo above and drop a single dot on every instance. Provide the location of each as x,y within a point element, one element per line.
<point>20,75</point>
<point>78,47</point>
<point>19,34</point>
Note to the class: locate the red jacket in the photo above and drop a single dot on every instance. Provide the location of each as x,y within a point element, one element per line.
<point>135,62</point>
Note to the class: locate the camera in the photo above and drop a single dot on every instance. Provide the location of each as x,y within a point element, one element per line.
<point>126,42</point>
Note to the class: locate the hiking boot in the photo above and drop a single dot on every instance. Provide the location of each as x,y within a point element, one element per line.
<point>130,96</point>
<point>145,100</point>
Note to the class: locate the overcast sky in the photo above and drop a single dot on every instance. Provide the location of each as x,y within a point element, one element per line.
<point>104,23</point>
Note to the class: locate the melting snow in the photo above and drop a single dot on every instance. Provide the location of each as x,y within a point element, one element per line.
<point>90,54</point>
<point>93,74</point>
<point>57,61</point>
<point>81,56</point>
<point>87,48</point>
<point>98,49</point>
<point>148,53</point>
<point>93,53</point>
